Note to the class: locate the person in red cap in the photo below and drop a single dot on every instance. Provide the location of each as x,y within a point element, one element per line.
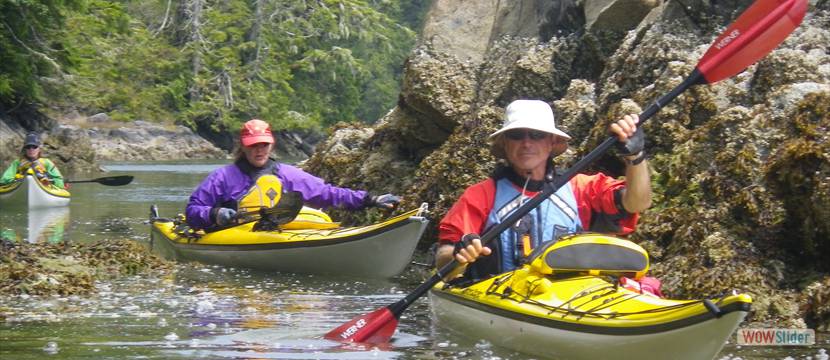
<point>216,200</point>
<point>43,168</point>
<point>527,142</point>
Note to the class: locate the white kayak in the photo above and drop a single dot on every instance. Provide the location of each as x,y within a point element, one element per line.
<point>28,192</point>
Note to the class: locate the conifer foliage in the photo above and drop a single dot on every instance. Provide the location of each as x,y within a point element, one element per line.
<point>209,64</point>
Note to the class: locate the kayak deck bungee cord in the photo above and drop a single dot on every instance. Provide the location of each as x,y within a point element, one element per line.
<point>573,315</point>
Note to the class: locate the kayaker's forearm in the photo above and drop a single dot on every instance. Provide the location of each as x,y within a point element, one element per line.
<point>8,175</point>
<point>637,196</point>
<point>443,256</point>
<point>198,216</point>
<point>56,177</point>
<point>316,192</point>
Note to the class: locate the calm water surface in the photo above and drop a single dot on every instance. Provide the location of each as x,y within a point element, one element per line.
<point>211,312</point>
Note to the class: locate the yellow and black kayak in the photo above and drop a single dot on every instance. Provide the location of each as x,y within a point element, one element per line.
<point>565,302</point>
<point>27,191</point>
<point>312,243</point>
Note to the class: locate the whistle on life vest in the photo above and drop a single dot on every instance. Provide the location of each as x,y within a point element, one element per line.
<point>524,227</point>
<point>527,248</point>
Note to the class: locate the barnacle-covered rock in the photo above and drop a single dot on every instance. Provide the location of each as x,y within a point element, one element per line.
<point>815,304</point>
<point>440,89</point>
<point>463,160</point>
<point>798,172</point>
<point>577,110</point>
<point>788,66</point>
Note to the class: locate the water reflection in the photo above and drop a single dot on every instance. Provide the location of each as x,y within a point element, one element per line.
<point>36,225</point>
<point>211,312</point>
<point>202,312</point>
<point>48,224</point>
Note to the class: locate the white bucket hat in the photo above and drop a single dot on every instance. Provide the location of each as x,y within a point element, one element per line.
<point>530,114</point>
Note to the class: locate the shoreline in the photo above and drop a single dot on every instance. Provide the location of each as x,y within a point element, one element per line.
<point>86,144</point>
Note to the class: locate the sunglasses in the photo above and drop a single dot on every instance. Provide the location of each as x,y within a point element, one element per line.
<point>519,134</point>
<point>27,147</point>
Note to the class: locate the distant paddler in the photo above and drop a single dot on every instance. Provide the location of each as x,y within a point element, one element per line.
<point>254,180</point>
<point>31,159</point>
<point>33,181</point>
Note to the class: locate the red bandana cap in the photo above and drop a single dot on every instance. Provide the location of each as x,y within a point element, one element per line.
<point>256,131</point>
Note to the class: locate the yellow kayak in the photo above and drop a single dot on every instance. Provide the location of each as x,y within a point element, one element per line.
<point>561,305</point>
<point>312,243</point>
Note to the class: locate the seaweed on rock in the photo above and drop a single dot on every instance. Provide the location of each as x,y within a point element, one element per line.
<point>71,268</point>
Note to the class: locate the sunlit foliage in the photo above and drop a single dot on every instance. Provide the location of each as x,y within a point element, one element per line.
<point>209,64</point>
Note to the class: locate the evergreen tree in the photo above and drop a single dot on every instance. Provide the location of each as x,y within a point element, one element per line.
<point>32,52</point>
<point>209,64</point>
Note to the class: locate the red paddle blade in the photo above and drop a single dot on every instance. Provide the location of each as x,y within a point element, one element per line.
<point>754,34</point>
<point>375,327</point>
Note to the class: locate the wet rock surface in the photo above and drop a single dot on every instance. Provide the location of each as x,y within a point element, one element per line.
<point>144,141</point>
<point>81,144</point>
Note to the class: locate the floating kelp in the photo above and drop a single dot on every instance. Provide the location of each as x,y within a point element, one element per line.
<point>71,268</point>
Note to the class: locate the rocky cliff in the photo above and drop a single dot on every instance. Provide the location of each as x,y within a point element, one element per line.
<point>79,144</point>
<point>741,169</point>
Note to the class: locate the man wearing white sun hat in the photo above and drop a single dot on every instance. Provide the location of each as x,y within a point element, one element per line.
<point>528,141</point>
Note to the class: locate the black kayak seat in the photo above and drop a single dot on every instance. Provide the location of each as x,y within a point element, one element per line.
<point>591,253</point>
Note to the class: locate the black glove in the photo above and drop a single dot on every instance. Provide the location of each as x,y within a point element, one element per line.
<point>634,145</point>
<point>225,216</point>
<point>466,240</point>
<point>385,201</point>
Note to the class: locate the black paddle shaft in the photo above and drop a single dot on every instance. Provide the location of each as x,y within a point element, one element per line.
<point>107,180</point>
<point>549,189</point>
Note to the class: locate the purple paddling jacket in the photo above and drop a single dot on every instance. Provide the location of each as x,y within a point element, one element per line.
<point>225,186</point>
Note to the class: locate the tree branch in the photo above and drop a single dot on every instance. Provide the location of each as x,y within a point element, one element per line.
<point>164,22</point>
<point>35,52</point>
